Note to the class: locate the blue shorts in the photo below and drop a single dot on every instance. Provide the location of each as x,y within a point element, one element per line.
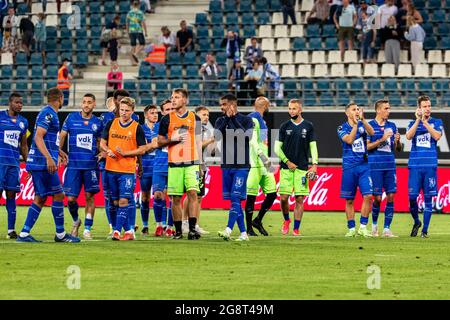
<point>159,181</point>
<point>146,183</point>
<point>10,178</point>
<point>422,178</point>
<point>75,178</point>
<point>234,182</point>
<point>121,185</point>
<point>46,184</point>
<point>384,179</point>
<point>352,178</point>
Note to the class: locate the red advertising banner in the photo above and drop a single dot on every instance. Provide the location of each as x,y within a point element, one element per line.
<point>324,192</point>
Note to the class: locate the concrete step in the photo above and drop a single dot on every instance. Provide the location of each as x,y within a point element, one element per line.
<point>180,9</point>
<point>98,75</point>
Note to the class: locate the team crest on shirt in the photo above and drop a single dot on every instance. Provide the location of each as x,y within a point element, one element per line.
<point>370,182</point>
<point>94,127</point>
<point>128,183</point>
<point>94,177</point>
<point>239,182</point>
<point>304,131</point>
<point>288,132</point>
<point>361,130</point>
<point>21,125</point>
<point>431,182</point>
<point>48,118</point>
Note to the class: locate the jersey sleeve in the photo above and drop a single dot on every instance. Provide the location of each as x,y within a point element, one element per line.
<point>66,124</point>
<point>312,134</point>
<point>282,134</point>
<point>44,120</point>
<point>155,130</point>
<point>198,126</point>
<point>342,131</point>
<point>164,126</point>
<point>140,136</point>
<point>105,133</point>
<point>25,127</point>
<point>411,123</point>
<point>438,125</point>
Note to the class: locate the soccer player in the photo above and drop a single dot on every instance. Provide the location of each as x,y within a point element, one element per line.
<point>381,148</point>
<point>356,171</point>
<point>203,113</point>
<point>42,163</point>
<point>296,141</point>
<point>13,143</point>
<point>151,117</point>
<point>84,130</point>
<point>160,169</point>
<point>181,132</point>
<point>234,130</point>
<point>259,174</point>
<point>105,118</point>
<point>123,139</point>
<point>424,132</point>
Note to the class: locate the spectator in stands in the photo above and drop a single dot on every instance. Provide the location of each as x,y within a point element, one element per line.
<point>210,72</point>
<point>115,78</point>
<point>58,5</point>
<point>333,7</point>
<point>64,80</point>
<point>320,13</point>
<point>387,10</point>
<point>252,52</point>
<point>11,22</point>
<point>9,43</point>
<point>270,79</point>
<point>252,78</point>
<point>148,6</point>
<point>232,43</point>
<point>416,35</point>
<point>185,38</point>
<point>412,11</point>
<point>367,38</point>
<point>390,37</point>
<point>27,34</point>
<point>110,104</point>
<point>363,8</point>
<point>236,82</point>
<point>44,5</point>
<point>168,38</point>
<point>345,21</point>
<point>113,46</point>
<point>137,30</point>
<point>156,54</point>
<point>288,8</point>
<point>106,35</point>
<point>40,34</point>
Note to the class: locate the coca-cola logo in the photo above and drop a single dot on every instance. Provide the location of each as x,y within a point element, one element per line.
<point>440,201</point>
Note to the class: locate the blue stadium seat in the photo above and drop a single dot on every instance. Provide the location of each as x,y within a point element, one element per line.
<point>425,85</point>
<point>203,32</point>
<point>189,58</point>
<point>356,85</point>
<point>275,5</point>
<point>425,15</point>
<point>82,45</point>
<point>37,85</point>
<point>82,59</point>
<point>323,85</point>
<point>21,58</point>
<point>374,85</point>
<point>428,28</point>
<point>174,84</point>
<point>173,58</point>
<point>124,7</point>
<point>445,43</point>
<point>361,99</point>
<point>232,19</point>
<point>411,100</point>
<point>201,18</point>
<point>144,71</point>
<point>249,31</point>
<point>22,9</point>
<point>161,87</point>
<point>248,18</point>
<point>22,72</point>
<point>94,7</point>
<point>290,85</point>
<point>313,30</point>
<point>204,45</point>
<point>7,72</point>
<point>95,19</point>
<point>408,85</point>
<point>22,86</point>
<point>96,32</point>
<point>81,33</point>
<point>51,32</point>
<point>195,99</point>
<point>192,72</point>
<point>442,85</point>
<point>176,72</point>
<point>36,58</point>
<point>95,47</point>
<point>66,45</point>
<point>160,72</point>
<point>50,84</point>
<point>146,98</point>
<point>229,6</point>
<point>438,16</point>
<point>245,6</point>
<point>144,86</point>
<point>376,96</point>
<point>390,85</point>
<point>433,4</point>
<point>315,44</point>
<point>261,5</point>
<point>310,100</point>
<point>5,85</point>
<point>50,45</point>
<point>217,18</point>
<point>51,72</point>
<point>395,99</point>
<point>340,85</point>
<point>193,85</point>
<point>332,44</point>
<point>263,18</point>
<point>329,30</point>
<point>326,99</point>
<point>109,7</point>
<point>65,55</point>
<point>215,6</point>
<point>218,31</point>
<point>63,19</point>
<point>36,72</point>
<point>129,85</point>
<point>65,33</point>
<point>443,29</point>
<point>221,58</point>
<point>307,85</point>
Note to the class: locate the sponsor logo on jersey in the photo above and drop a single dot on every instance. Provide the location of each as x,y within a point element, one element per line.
<point>358,145</point>
<point>11,137</point>
<point>84,141</point>
<point>424,140</point>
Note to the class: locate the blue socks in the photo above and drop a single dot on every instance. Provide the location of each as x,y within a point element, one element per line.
<point>73,209</point>
<point>234,212</point>
<point>122,218</point>
<point>364,220</point>
<point>107,207</point>
<point>286,216</point>
<point>157,209</point>
<point>113,214</point>
<point>88,224</point>
<point>164,212</point>
<point>11,209</point>
<point>427,213</point>
<point>375,212</point>
<point>414,209</point>
<point>240,218</point>
<point>32,216</point>
<point>145,212</point>
<point>351,224</point>
<point>388,215</point>
<point>297,224</point>
<point>131,213</point>
<point>58,215</point>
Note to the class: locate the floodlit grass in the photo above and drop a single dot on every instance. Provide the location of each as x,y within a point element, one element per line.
<point>321,264</point>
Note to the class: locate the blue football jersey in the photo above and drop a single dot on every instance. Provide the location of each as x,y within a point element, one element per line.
<point>382,157</point>
<point>11,131</point>
<point>82,143</point>
<point>356,153</point>
<point>105,118</point>
<point>423,149</point>
<point>47,119</point>
<point>148,158</point>
<point>161,161</point>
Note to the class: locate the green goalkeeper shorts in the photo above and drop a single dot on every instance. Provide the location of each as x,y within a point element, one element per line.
<point>181,179</point>
<point>260,177</point>
<point>293,181</point>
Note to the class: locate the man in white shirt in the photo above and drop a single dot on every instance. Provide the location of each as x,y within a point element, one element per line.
<point>385,11</point>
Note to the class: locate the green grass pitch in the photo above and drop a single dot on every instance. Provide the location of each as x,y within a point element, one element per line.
<point>321,264</point>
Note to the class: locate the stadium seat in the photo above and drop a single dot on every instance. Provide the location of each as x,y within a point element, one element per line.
<point>261,5</point>
<point>321,70</point>
<point>307,85</point>
<point>334,56</point>
<point>36,58</point>
<point>5,86</point>
<point>161,87</point>
<point>22,72</point>
<point>376,96</point>
<point>408,85</point>
<point>356,85</point>
<point>94,7</point>
<point>159,72</point>
<point>342,98</point>
<point>286,57</point>
<point>215,6</point>
<point>313,30</point>
<point>201,18</point>
<point>275,5</point>
<point>82,59</point>
<point>428,28</point>
<point>323,85</point>
<point>288,71</point>
<point>144,71</point>
<point>430,43</point>
<point>388,70</point>
<point>36,98</point>
<point>439,71</point>
<point>176,72</point>
<point>217,18</point>
<point>130,85</point>
<point>281,31</point>
<point>404,71</point>
<point>299,44</point>
<point>22,86</point>
<point>422,71</point>
<point>193,85</point>
<point>249,32</point>
<point>283,44</point>
<point>21,58</point>
<point>326,99</point>
<point>301,57</point>
<point>304,70</point>
<point>82,45</point>
<point>354,70</point>
<point>443,29</point>
<point>445,43</point>
<point>318,57</point>
<point>36,72</point>
<point>395,99</point>
<point>438,16</point>
<point>434,56</point>
<point>192,72</point>
<point>331,44</point>
<point>124,7</point>
<point>229,6</point>
<point>425,85</point>
<point>315,44</point>
<point>374,85</point>
<point>109,7</point>
<point>329,30</point>
<point>371,70</point>
<point>248,18</point>
<point>7,72</point>
<point>232,19</point>
<point>297,31</point>
<point>442,85</point>
<point>268,44</point>
<point>350,56</point>
<point>361,98</point>
<point>341,85</point>
<point>51,72</point>
<point>263,18</point>
<point>22,9</point>
<point>245,6</point>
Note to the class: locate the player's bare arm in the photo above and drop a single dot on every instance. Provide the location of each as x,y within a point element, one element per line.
<point>366,124</point>
<point>24,148</point>
<point>104,147</point>
<point>412,131</point>
<point>436,135</point>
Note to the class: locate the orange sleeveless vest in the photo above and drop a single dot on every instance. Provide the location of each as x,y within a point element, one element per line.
<point>158,55</point>
<point>185,152</point>
<point>125,138</point>
<point>63,82</point>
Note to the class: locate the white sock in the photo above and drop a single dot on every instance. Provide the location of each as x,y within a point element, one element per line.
<point>362,226</point>
<point>374,226</point>
<point>88,216</point>
<point>351,229</point>
<point>10,230</point>
<point>228,230</point>
<point>159,223</point>
<point>61,235</point>
<point>386,230</point>
<point>244,234</point>
<point>24,234</point>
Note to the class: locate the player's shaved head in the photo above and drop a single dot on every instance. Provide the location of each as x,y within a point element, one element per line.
<point>54,94</point>
<point>262,103</point>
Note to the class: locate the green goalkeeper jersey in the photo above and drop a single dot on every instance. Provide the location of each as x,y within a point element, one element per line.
<point>259,142</point>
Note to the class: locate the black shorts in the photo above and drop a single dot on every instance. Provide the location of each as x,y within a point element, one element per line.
<point>104,44</point>
<point>27,38</point>
<point>201,186</point>
<point>134,37</point>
